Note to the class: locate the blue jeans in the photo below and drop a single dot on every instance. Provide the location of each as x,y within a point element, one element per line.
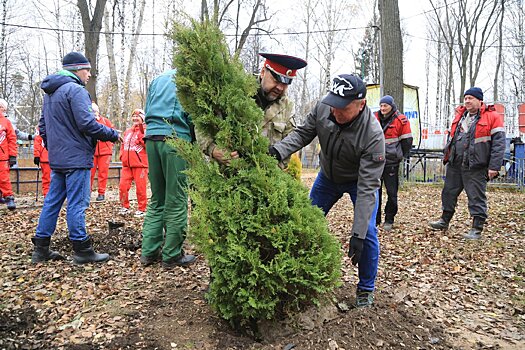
<point>71,184</point>
<point>325,194</point>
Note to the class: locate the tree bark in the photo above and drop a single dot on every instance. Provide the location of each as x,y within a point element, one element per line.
<point>392,52</point>
<point>92,27</point>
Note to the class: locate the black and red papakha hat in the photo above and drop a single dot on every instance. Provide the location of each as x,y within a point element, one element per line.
<point>283,67</point>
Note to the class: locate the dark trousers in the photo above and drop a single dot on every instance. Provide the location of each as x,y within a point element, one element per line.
<point>475,184</point>
<point>390,179</point>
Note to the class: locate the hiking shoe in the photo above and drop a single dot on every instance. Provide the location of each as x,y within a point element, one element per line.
<point>124,211</point>
<point>364,298</point>
<point>139,214</point>
<point>181,260</point>
<point>388,226</point>
<point>473,234</point>
<point>100,198</point>
<point>439,225</point>
<point>149,260</point>
<point>10,201</point>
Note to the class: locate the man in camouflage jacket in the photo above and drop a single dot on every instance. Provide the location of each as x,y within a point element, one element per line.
<point>276,74</point>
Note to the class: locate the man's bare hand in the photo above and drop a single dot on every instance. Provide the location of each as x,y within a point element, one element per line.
<point>223,157</point>
<point>493,174</point>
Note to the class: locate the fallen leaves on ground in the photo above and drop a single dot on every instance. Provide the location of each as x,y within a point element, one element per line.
<point>434,289</point>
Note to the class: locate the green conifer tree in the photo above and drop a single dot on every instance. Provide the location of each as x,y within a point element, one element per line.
<point>269,249</point>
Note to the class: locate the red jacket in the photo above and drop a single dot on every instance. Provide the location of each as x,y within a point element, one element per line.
<point>104,148</point>
<point>398,137</point>
<point>39,150</point>
<point>8,146</point>
<point>487,138</point>
<point>133,149</point>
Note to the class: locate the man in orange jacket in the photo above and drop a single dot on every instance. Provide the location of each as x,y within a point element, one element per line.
<point>103,153</point>
<point>134,165</point>
<point>398,142</point>
<point>41,159</point>
<point>473,155</point>
<point>8,153</point>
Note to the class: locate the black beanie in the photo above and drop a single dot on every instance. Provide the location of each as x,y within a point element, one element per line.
<point>75,61</point>
<point>474,91</point>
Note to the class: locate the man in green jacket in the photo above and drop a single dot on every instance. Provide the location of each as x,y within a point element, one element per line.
<point>167,215</point>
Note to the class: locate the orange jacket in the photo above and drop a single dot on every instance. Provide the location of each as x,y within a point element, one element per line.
<point>8,146</point>
<point>39,150</point>
<point>133,149</point>
<point>487,138</point>
<point>104,148</point>
<point>398,137</point>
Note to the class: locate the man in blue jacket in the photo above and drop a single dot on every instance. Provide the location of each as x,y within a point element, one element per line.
<point>70,133</point>
<point>166,220</point>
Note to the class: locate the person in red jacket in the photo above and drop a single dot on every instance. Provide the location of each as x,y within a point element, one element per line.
<point>398,142</point>
<point>134,164</point>
<point>41,159</point>
<point>473,155</point>
<point>103,154</point>
<point>8,153</point>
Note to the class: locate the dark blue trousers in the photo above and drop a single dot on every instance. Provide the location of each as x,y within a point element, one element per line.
<point>325,194</point>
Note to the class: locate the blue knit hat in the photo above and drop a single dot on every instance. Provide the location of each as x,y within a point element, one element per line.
<point>474,91</point>
<point>75,61</point>
<point>389,100</point>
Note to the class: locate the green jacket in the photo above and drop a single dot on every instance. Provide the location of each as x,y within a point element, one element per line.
<point>164,113</point>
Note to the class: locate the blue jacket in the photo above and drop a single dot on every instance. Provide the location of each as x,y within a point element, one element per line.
<point>67,125</point>
<point>164,113</point>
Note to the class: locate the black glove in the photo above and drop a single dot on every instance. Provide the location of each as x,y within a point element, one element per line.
<point>30,137</point>
<point>12,160</point>
<point>36,160</point>
<point>273,152</point>
<point>356,247</point>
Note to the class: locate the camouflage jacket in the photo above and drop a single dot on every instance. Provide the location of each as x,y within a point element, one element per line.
<point>278,122</point>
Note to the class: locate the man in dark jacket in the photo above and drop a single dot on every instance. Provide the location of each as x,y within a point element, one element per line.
<point>398,142</point>
<point>473,156</point>
<point>352,161</point>
<point>70,133</point>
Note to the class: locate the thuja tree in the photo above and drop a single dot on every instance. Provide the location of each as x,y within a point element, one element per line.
<point>269,250</point>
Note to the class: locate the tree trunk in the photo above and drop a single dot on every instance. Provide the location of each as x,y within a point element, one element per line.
<point>92,27</point>
<point>500,51</point>
<point>132,55</point>
<point>114,102</point>
<point>392,52</point>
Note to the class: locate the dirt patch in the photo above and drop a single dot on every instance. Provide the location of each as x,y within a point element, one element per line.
<point>183,320</point>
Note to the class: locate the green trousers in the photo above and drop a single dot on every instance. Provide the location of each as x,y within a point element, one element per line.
<point>166,219</point>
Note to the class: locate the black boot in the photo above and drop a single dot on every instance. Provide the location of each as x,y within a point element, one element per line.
<point>84,252</point>
<point>477,227</point>
<point>42,252</point>
<point>443,222</point>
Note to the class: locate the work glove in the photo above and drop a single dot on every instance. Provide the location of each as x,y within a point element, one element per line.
<point>273,152</point>
<point>12,161</point>
<point>36,160</point>
<point>356,248</point>
<point>30,137</point>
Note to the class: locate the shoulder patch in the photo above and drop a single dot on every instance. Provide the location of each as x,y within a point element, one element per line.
<point>403,119</point>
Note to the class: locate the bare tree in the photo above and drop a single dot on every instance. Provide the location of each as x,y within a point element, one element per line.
<point>500,49</point>
<point>92,26</point>
<point>392,50</point>
<point>220,14</point>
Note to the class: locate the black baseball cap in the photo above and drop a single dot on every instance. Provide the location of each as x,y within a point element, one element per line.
<point>345,88</point>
